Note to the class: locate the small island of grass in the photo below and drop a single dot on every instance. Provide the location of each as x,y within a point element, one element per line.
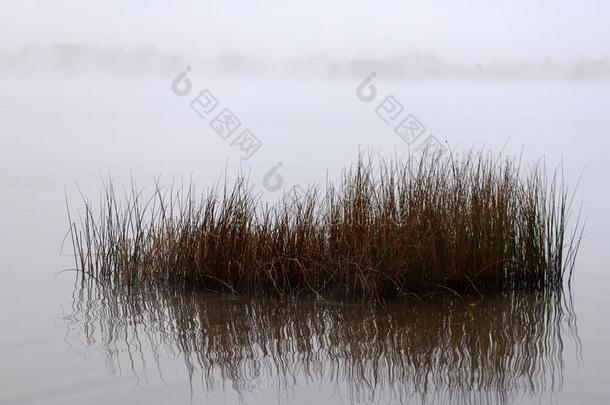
<point>471,224</point>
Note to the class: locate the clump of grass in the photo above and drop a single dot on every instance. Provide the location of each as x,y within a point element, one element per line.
<point>465,224</point>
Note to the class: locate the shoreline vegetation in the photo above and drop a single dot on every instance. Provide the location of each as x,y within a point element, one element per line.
<point>473,224</point>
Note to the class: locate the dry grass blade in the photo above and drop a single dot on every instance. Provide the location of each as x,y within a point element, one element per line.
<point>466,224</point>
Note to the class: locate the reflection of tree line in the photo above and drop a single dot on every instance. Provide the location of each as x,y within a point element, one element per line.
<point>436,350</point>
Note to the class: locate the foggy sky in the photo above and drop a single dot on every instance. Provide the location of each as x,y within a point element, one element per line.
<point>487,32</point>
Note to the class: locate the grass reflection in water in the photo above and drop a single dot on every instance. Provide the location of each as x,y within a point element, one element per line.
<point>433,350</point>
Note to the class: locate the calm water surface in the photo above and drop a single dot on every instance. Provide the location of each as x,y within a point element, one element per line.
<point>70,342</point>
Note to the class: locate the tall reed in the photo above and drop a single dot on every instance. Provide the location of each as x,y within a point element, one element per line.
<point>462,224</point>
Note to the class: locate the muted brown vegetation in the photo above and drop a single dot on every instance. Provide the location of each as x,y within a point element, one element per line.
<point>463,224</point>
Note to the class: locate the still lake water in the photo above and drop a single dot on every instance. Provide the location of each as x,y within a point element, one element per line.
<point>63,342</point>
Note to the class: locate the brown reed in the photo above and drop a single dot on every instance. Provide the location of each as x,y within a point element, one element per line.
<point>464,224</point>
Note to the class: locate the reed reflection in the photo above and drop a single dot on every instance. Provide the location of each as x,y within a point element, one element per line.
<point>431,350</point>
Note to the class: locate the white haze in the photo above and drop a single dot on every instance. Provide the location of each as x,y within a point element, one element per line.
<point>400,38</point>
<point>86,92</point>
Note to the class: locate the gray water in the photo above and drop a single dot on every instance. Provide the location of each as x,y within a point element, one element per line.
<point>63,342</point>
